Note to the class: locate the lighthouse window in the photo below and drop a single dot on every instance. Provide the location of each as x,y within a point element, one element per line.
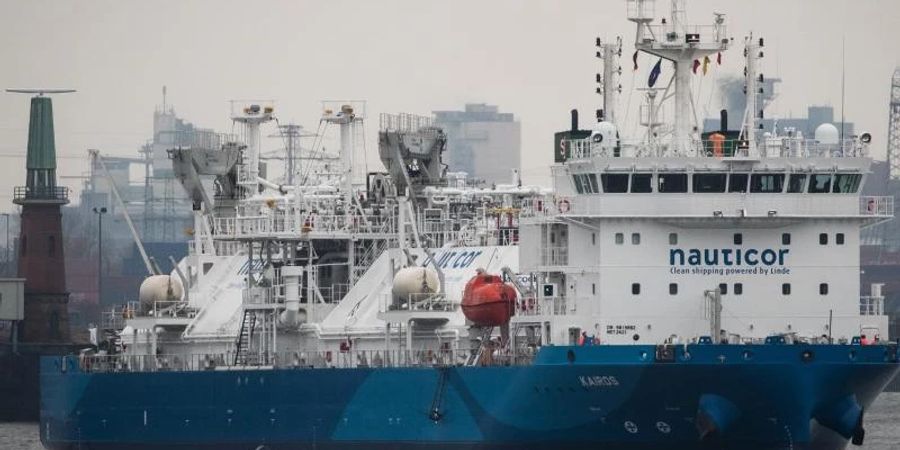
<point>673,288</point>
<point>620,238</point>
<point>796,183</point>
<point>839,239</point>
<point>672,183</point>
<point>823,288</point>
<point>614,183</point>
<point>709,182</point>
<point>737,182</point>
<point>764,183</point>
<point>846,183</point>
<point>635,288</point>
<point>786,289</point>
<point>820,183</point>
<point>642,183</point>
<point>823,238</point>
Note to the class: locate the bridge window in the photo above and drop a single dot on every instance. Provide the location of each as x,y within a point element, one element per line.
<point>823,288</point>
<point>642,183</point>
<point>766,183</point>
<point>635,288</point>
<point>620,238</point>
<point>785,238</point>
<point>709,182</point>
<point>673,288</point>
<point>839,239</point>
<point>823,238</point>
<point>820,183</point>
<point>614,183</point>
<point>635,238</point>
<point>672,183</point>
<point>576,179</point>
<point>673,238</point>
<point>738,288</point>
<point>591,183</point>
<point>738,239</point>
<point>786,289</point>
<point>737,182</point>
<point>846,183</point>
<point>796,183</point>
<point>723,288</point>
<point>51,246</point>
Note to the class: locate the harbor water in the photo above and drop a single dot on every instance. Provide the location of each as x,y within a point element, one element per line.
<point>882,428</point>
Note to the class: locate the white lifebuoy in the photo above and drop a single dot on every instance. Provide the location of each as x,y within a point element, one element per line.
<point>564,206</point>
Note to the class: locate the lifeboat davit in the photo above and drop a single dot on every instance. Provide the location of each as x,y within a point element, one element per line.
<point>488,301</point>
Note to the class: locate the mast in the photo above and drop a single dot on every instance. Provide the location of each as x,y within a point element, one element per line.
<point>752,89</point>
<point>680,43</point>
<point>608,83</point>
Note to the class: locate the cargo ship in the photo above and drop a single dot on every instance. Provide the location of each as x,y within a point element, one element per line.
<point>681,290</point>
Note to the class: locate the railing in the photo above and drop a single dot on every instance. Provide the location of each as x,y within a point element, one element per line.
<point>781,147</point>
<point>666,34</point>
<point>41,193</point>
<point>871,306</point>
<point>195,139</point>
<point>405,123</point>
<point>115,318</point>
<point>354,359</point>
<point>236,227</point>
<point>418,302</point>
<point>546,306</point>
<point>554,256</point>
<point>876,206</point>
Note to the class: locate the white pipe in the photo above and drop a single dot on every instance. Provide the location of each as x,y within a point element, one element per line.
<point>290,315</point>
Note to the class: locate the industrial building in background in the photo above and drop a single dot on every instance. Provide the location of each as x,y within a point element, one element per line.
<point>880,245</point>
<point>156,203</point>
<point>482,142</point>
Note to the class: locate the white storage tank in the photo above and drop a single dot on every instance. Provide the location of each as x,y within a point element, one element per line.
<point>413,282</point>
<point>159,288</point>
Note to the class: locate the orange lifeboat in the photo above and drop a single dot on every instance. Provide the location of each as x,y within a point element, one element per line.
<point>488,301</point>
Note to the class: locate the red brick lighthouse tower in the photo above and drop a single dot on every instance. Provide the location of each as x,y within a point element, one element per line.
<point>41,261</point>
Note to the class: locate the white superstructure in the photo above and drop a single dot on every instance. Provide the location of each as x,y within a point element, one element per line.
<point>679,236</point>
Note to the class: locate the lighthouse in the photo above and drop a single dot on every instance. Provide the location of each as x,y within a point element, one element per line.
<point>41,261</point>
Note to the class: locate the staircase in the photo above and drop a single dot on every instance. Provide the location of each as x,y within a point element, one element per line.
<point>242,353</point>
<point>366,251</point>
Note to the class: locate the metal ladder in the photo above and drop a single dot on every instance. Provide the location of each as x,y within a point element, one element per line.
<point>248,323</point>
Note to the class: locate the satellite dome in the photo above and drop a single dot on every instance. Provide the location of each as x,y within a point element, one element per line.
<point>827,134</point>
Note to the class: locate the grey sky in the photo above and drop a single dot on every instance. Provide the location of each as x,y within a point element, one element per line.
<point>533,58</point>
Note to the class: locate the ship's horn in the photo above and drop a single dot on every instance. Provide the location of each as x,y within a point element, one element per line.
<point>715,415</point>
<point>845,417</point>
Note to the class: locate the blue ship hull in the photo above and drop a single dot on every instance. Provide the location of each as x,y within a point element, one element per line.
<point>700,396</point>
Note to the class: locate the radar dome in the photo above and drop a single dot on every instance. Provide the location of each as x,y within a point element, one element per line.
<point>827,134</point>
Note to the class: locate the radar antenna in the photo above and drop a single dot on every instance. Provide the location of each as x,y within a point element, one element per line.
<point>40,92</point>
